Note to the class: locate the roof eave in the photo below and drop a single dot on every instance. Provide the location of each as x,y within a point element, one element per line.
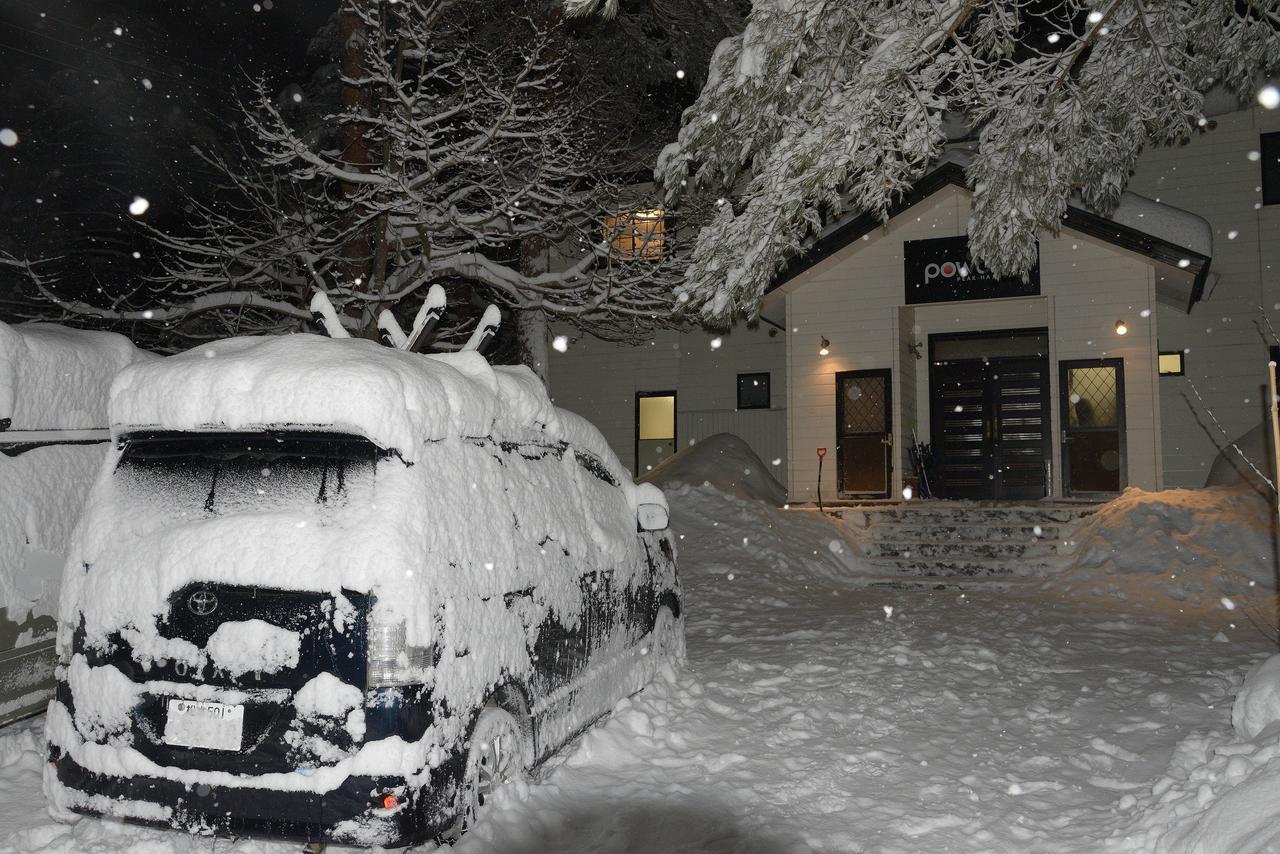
<point>1077,219</point>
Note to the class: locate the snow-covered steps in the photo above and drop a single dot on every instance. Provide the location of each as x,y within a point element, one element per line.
<point>953,540</point>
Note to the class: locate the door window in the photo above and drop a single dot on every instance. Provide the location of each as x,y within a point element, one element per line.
<point>655,429</point>
<point>1093,448</point>
<point>863,408</point>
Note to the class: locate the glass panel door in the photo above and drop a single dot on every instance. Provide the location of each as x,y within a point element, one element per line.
<point>655,429</point>
<point>1093,447</point>
<point>864,435</point>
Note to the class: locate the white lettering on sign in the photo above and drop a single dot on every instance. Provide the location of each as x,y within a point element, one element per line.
<point>948,270</point>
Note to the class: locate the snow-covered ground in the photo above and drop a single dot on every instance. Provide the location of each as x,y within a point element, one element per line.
<point>814,715</point>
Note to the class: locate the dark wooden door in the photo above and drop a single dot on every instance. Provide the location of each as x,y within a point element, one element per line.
<point>1094,459</point>
<point>864,433</point>
<point>991,428</point>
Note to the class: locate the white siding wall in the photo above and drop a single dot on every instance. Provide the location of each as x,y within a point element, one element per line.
<point>599,380</point>
<point>1214,177</point>
<point>853,299</point>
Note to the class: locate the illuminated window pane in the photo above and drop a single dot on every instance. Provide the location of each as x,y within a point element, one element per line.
<point>1171,364</point>
<point>636,235</point>
<point>657,418</point>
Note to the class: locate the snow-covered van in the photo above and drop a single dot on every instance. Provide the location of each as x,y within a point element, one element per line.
<point>333,591</point>
<point>53,434</point>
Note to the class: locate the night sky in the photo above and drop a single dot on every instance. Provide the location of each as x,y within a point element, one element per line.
<point>108,97</point>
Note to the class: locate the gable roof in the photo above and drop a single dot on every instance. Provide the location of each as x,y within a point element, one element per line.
<point>1139,224</point>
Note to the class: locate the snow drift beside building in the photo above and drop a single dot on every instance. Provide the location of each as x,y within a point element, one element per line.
<point>1199,543</point>
<point>725,462</point>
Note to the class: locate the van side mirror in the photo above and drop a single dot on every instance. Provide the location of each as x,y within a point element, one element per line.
<point>652,517</point>
<point>651,508</point>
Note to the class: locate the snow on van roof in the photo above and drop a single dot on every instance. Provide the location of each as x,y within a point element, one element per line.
<point>56,378</point>
<point>394,398</point>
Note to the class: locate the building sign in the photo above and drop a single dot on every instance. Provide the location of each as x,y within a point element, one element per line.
<point>941,270</point>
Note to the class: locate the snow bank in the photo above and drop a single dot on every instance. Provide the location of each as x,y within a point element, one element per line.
<point>1184,539</point>
<point>1257,705</point>
<point>725,462</point>
<point>1221,792</point>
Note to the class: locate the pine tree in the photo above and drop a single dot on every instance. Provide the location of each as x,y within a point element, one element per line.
<point>823,108</point>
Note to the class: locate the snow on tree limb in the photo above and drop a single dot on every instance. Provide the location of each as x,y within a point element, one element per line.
<point>819,109</point>
<point>488,177</point>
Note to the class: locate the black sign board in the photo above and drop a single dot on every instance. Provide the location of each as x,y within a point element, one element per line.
<point>941,270</point>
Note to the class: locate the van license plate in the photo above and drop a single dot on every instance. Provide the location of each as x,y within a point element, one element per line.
<point>215,726</point>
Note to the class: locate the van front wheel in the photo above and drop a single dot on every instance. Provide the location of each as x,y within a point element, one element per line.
<point>667,641</point>
<point>494,757</point>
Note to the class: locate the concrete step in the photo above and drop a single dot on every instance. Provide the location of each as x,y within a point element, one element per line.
<point>912,532</point>
<point>939,567</point>
<point>959,514</point>
<point>964,584</point>
<point>967,550</point>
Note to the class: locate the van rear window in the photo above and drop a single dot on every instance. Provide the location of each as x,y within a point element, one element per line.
<point>226,472</point>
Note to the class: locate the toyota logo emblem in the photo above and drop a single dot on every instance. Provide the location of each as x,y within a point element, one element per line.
<point>202,603</point>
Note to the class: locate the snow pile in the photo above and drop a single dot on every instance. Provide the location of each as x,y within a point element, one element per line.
<point>1257,705</point>
<point>1221,792</point>
<point>725,462</point>
<point>52,377</point>
<point>1197,545</point>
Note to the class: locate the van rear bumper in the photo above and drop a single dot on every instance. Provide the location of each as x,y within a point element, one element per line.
<point>352,813</point>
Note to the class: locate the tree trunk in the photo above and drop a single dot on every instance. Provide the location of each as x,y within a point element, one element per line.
<point>357,250</point>
<point>534,331</point>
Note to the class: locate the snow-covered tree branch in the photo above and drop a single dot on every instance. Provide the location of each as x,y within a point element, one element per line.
<point>489,174</point>
<point>819,108</point>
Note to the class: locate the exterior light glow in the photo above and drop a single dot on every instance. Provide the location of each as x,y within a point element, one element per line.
<point>825,348</point>
<point>1122,328</point>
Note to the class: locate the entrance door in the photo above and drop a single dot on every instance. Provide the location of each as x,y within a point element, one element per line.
<point>990,422</point>
<point>864,443</point>
<point>655,429</point>
<point>1093,447</point>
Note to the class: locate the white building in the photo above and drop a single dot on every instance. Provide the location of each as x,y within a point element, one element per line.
<point>1023,389</point>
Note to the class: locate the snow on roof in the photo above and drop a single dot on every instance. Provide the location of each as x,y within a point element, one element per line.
<point>1156,219</point>
<point>56,378</point>
<point>394,398</point>
<point>1170,224</point>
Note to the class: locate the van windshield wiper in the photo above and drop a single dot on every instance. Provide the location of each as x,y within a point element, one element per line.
<point>213,487</point>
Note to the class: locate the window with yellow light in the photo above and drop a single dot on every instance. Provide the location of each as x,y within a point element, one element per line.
<point>636,235</point>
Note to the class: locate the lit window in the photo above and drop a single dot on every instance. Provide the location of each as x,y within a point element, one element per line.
<point>1171,363</point>
<point>753,391</point>
<point>637,234</point>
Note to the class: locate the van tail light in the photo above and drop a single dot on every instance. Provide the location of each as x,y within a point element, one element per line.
<point>391,661</point>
